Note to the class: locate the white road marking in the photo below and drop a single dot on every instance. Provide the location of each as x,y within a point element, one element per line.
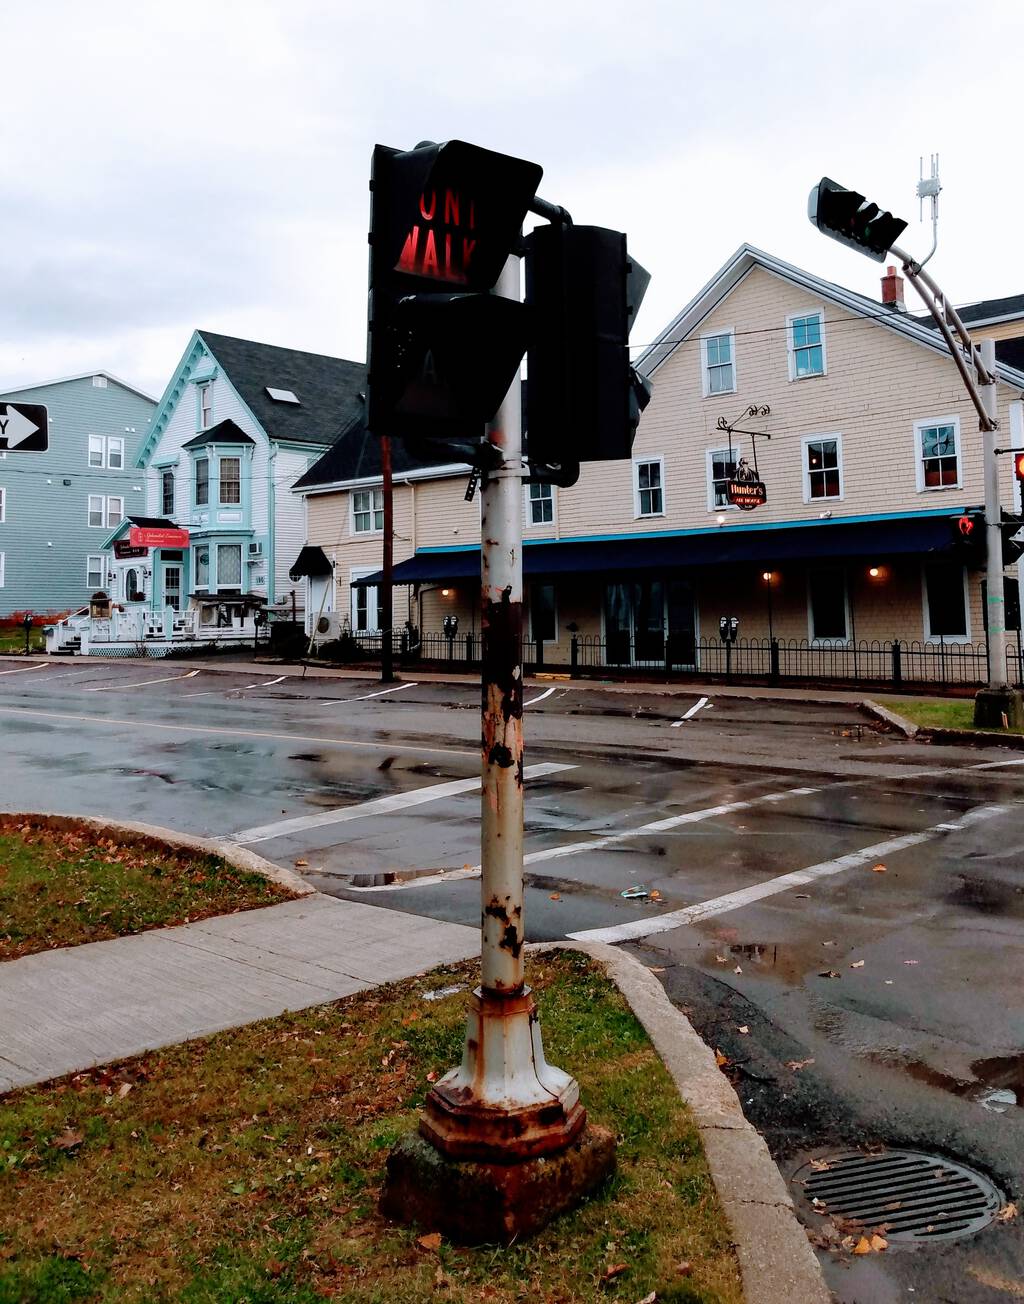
<point>355,743</point>
<point>270,682</point>
<point>995,765</point>
<point>378,806</point>
<point>771,887</point>
<point>211,692</point>
<point>338,701</point>
<point>21,669</point>
<point>662,826</point>
<point>534,700</point>
<point>697,706</point>
<point>118,688</point>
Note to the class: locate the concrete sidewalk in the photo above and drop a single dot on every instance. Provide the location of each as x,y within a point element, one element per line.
<point>67,1010</point>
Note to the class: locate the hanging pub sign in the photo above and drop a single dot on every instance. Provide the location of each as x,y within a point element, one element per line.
<point>745,489</point>
<point>123,550</point>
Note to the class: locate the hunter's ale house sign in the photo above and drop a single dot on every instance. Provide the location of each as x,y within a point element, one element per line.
<point>746,494</point>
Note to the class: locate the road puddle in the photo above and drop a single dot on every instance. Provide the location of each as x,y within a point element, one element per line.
<point>997,1084</point>
<point>393,877</point>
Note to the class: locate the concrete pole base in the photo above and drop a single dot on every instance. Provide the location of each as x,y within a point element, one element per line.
<point>504,1103</point>
<point>991,705</point>
<point>486,1203</point>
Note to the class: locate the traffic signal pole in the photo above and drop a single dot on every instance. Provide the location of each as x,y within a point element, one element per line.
<point>995,614</point>
<point>504,1103</point>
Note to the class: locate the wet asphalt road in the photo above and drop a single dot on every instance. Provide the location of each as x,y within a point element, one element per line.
<point>920,1045</point>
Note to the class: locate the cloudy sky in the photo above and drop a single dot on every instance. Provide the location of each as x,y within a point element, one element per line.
<point>168,166</point>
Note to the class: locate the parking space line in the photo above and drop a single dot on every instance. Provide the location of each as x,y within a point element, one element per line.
<point>269,684</point>
<point>378,806</point>
<point>771,887</point>
<point>20,670</point>
<point>338,701</point>
<point>142,683</point>
<point>534,700</point>
<point>697,706</point>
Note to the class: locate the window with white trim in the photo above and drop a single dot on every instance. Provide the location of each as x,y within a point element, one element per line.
<point>823,468</point>
<point>648,487</point>
<point>167,493</point>
<point>105,511</point>
<point>367,614</point>
<point>205,406</point>
<point>115,453</point>
<point>806,338</point>
<point>827,607</point>
<point>202,481</point>
<point>721,467</point>
<point>540,499</point>
<point>938,453</point>
<point>718,364</point>
<point>107,451</point>
<point>945,603</point>
<point>201,555</point>
<point>95,571</point>
<point>229,565</point>
<point>3,559</point>
<point>367,511</point>
<point>96,450</point>
<point>230,480</point>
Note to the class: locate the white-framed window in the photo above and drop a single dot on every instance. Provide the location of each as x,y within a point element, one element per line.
<point>107,451</point>
<point>721,467</point>
<point>649,486</point>
<point>805,336</point>
<point>202,481</point>
<point>167,493</point>
<point>718,363</point>
<point>365,602</point>
<point>543,613</point>
<point>828,610</point>
<point>946,614</point>
<point>105,511</point>
<point>3,504</point>
<point>95,571</point>
<point>367,511</point>
<point>937,453</point>
<point>201,565</point>
<point>229,565</point>
<point>205,406</point>
<point>230,480</point>
<point>540,504</point>
<point>822,467</point>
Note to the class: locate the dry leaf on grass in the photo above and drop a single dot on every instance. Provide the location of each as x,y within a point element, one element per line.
<point>613,1270</point>
<point>648,1299</point>
<point>797,1065</point>
<point>123,1090</point>
<point>432,1241</point>
<point>67,1140</point>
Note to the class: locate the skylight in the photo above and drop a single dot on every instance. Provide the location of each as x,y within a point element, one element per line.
<point>281,395</point>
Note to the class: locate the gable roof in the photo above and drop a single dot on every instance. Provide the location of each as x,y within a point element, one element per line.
<point>83,375</point>
<point>224,432</point>
<point>328,389</point>
<point>743,261</point>
<point>990,311</point>
<point>356,456</point>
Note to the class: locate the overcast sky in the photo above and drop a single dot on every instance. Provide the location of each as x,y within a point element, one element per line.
<point>168,166</point>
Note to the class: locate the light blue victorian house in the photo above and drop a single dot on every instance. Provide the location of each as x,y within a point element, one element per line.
<point>212,548</point>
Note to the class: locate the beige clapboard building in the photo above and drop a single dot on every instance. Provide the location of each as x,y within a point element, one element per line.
<point>868,448</point>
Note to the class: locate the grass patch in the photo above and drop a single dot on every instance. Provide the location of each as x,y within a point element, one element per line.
<point>939,713</point>
<point>64,887</point>
<point>13,640</point>
<point>244,1168</point>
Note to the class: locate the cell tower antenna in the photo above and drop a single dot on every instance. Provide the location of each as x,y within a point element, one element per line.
<point>928,188</point>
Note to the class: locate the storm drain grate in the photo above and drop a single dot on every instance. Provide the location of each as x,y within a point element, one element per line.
<point>918,1197</point>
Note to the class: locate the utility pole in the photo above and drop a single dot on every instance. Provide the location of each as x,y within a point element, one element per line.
<point>387,672</point>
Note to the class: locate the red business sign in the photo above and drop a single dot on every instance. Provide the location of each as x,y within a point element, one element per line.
<point>746,494</point>
<point>151,536</point>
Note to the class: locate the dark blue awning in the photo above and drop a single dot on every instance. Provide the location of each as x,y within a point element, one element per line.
<point>727,546</point>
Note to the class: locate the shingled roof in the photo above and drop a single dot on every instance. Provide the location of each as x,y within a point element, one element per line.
<point>329,390</point>
<point>356,456</point>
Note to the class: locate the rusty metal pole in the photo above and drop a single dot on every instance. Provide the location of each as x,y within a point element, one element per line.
<point>505,1102</point>
<point>387,669</point>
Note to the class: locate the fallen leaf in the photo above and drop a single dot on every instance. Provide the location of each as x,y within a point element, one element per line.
<point>857,964</point>
<point>879,869</point>
<point>299,863</point>
<point>819,1204</point>
<point>431,1076</point>
<point>863,1246</point>
<point>737,969</point>
<point>879,1243</point>
<point>820,1165</point>
<point>614,1270</point>
<point>273,1267</point>
<point>1007,1213</point>
<point>649,1299</point>
<point>432,1241</point>
<point>722,959</point>
<point>67,1140</point>
<point>555,896</point>
<point>720,1059</point>
<point>797,1065</point>
<point>743,1028</point>
<point>654,969</point>
<point>828,973</point>
<point>655,894</point>
<point>683,1269</point>
<point>123,1090</point>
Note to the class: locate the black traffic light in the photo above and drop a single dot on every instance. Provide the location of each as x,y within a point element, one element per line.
<point>846,216</point>
<point>441,351</point>
<point>968,532</point>
<point>583,399</point>
<point>1013,548</point>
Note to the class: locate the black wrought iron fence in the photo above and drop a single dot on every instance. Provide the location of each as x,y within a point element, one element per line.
<point>895,662</point>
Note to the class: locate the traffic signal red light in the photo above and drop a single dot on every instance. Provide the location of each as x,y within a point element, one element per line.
<point>1018,465</point>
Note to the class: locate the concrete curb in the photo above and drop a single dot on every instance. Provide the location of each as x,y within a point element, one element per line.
<point>775,1256</point>
<point>880,712</point>
<point>160,838</point>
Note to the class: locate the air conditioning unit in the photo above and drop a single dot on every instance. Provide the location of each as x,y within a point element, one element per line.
<point>255,550</point>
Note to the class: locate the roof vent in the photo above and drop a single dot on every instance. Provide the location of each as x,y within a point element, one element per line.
<point>281,395</point>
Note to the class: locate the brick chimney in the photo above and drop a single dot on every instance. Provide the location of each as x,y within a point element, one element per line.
<point>892,290</point>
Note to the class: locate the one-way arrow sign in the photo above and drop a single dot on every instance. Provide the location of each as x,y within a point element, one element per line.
<point>23,428</point>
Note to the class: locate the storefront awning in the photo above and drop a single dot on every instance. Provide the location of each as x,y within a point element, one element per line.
<point>727,546</point>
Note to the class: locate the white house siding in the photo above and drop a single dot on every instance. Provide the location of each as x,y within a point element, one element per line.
<point>289,517</point>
